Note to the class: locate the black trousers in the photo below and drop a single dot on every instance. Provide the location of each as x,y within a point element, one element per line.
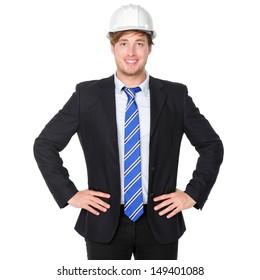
<point>132,239</point>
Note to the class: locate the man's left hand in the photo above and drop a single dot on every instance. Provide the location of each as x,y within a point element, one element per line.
<point>173,203</point>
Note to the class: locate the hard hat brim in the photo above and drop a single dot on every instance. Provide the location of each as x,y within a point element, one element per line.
<point>150,32</point>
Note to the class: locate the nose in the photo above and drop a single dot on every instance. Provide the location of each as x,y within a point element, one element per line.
<point>131,50</point>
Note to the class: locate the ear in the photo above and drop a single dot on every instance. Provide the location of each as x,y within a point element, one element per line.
<point>150,49</point>
<point>112,48</point>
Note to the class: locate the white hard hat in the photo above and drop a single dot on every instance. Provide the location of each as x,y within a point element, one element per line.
<point>131,17</point>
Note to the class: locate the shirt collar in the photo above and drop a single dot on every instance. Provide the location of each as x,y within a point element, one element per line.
<point>144,85</point>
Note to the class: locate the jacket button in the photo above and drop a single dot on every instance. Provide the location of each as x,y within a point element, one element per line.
<point>153,168</point>
<point>151,194</point>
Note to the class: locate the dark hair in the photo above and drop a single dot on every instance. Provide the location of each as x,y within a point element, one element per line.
<point>115,36</point>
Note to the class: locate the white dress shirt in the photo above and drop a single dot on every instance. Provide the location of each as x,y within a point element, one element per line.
<point>143,103</point>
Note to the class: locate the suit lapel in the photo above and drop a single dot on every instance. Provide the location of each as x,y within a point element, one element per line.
<point>158,98</point>
<point>108,100</point>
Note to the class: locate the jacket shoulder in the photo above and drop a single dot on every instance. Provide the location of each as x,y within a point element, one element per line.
<point>175,91</point>
<point>168,85</point>
<point>87,85</point>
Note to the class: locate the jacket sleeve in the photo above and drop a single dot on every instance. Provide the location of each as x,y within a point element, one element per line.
<point>53,139</point>
<point>210,148</point>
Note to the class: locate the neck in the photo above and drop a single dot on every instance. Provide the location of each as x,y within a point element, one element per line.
<point>131,80</point>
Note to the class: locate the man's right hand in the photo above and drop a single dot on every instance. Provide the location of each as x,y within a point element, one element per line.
<point>90,200</point>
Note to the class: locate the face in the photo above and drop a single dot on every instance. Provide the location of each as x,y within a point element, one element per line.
<point>131,54</point>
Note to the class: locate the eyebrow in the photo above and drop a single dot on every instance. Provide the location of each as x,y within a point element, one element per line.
<point>138,40</point>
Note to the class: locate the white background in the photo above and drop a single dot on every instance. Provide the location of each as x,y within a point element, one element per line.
<point>47,47</point>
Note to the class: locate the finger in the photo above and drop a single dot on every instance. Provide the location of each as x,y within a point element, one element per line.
<point>163,204</point>
<point>99,201</point>
<point>173,213</point>
<point>171,207</point>
<point>97,206</point>
<point>162,197</point>
<point>100,194</point>
<point>91,210</point>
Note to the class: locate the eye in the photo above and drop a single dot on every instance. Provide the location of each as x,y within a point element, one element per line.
<point>123,44</point>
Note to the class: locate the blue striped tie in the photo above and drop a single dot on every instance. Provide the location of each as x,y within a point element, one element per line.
<point>132,158</point>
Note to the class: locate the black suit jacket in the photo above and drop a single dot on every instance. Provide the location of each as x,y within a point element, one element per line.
<point>91,113</point>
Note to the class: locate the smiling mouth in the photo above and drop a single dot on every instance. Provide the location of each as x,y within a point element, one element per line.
<point>131,61</point>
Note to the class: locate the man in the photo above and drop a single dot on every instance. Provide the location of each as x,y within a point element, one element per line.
<point>130,126</point>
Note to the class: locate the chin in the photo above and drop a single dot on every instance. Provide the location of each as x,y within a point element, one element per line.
<point>133,72</point>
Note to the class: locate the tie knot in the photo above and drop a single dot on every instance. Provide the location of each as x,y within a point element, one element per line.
<point>131,91</point>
